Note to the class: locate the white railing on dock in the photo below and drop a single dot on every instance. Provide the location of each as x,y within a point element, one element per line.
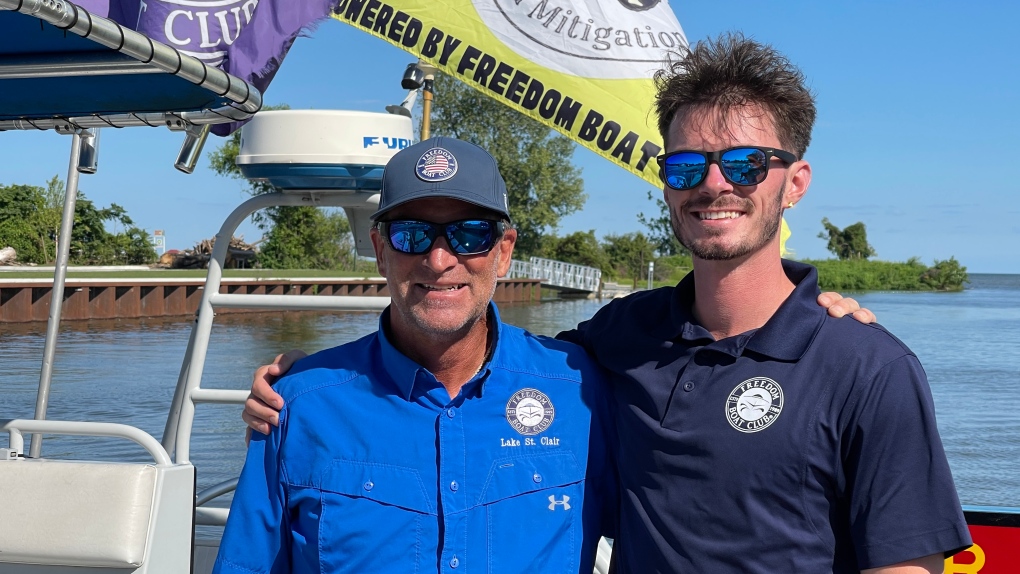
<point>557,273</point>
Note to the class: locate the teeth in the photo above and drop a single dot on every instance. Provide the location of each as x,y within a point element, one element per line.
<point>718,214</point>
<point>437,288</point>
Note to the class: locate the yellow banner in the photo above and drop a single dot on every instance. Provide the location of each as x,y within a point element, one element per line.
<point>582,67</point>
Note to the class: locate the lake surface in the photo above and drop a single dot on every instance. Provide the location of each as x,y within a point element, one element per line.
<point>125,371</point>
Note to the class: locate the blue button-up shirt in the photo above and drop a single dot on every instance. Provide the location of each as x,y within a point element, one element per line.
<point>374,468</point>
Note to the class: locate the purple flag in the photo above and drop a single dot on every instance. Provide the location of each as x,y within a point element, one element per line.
<point>97,7</point>
<point>247,38</point>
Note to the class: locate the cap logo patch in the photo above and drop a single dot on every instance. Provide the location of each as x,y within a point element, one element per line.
<point>530,411</point>
<point>754,404</point>
<point>436,164</point>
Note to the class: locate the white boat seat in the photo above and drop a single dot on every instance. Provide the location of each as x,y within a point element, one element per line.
<point>128,517</point>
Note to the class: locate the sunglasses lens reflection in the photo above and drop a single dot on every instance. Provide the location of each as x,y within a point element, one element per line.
<point>684,170</point>
<point>471,236</point>
<point>411,236</point>
<point>744,166</point>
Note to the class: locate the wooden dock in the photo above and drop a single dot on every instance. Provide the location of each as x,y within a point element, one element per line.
<point>25,300</point>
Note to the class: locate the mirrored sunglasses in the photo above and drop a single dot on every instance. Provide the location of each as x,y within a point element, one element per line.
<point>686,169</point>
<point>466,237</point>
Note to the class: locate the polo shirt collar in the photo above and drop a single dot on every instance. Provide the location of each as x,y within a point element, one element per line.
<point>404,372</point>
<point>785,336</point>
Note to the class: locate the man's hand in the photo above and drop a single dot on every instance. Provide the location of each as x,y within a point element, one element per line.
<point>839,306</point>
<point>263,405</point>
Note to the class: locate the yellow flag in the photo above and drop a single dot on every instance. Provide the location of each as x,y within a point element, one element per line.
<point>784,234</point>
<point>582,67</point>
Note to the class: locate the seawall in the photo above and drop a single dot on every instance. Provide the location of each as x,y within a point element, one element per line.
<point>25,300</point>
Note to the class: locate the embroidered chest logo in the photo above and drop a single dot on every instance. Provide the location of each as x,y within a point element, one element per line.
<point>754,404</point>
<point>530,411</point>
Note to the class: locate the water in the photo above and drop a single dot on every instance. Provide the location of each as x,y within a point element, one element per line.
<point>969,345</point>
<point>125,371</point>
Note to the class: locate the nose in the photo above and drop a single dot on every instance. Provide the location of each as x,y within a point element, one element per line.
<point>441,257</point>
<point>714,183</point>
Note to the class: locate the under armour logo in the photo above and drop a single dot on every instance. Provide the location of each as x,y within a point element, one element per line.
<point>553,503</point>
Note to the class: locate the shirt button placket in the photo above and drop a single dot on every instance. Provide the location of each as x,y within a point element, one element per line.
<point>453,474</point>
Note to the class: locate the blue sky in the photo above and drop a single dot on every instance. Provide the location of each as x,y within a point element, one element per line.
<point>917,133</point>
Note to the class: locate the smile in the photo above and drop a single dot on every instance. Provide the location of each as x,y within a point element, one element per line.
<point>429,287</point>
<point>703,215</point>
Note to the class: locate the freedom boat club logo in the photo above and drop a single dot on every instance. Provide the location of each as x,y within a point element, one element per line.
<point>754,404</point>
<point>530,411</point>
<point>436,164</point>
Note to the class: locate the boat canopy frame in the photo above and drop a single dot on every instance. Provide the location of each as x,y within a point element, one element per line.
<point>54,52</point>
<point>126,53</point>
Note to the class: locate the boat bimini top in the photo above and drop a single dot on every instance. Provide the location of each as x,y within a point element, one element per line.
<point>63,68</point>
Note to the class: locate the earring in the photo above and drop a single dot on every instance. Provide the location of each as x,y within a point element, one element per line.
<point>789,205</point>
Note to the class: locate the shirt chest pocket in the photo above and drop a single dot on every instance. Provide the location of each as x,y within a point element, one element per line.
<point>532,509</point>
<point>371,516</point>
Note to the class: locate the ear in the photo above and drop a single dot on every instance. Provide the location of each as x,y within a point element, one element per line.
<point>379,244</point>
<point>505,252</point>
<point>798,181</point>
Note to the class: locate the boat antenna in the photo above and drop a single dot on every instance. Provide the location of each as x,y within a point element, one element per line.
<point>418,75</point>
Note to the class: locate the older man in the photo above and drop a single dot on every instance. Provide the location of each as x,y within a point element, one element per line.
<point>447,440</point>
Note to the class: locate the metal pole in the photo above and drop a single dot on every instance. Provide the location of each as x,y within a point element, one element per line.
<point>427,95</point>
<point>177,433</point>
<point>57,294</point>
<point>426,107</point>
<point>651,273</point>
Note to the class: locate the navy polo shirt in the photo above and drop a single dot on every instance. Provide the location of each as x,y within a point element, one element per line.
<point>374,468</point>
<point>808,445</point>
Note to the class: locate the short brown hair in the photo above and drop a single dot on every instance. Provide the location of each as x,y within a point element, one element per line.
<point>732,71</point>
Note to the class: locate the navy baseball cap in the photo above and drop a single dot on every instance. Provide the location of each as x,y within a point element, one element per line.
<point>443,167</point>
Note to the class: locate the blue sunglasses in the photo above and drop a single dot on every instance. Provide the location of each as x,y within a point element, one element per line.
<point>686,169</point>
<point>466,237</point>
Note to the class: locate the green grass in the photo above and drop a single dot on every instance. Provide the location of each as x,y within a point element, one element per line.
<point>851,275</point>
<point>856,275</point>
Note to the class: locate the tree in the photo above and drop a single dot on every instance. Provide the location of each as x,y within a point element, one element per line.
<point>579,248</point>
<point>30,220</point>
<point>302,237</point>
<point>543,184</point>
<point>848,243</point>
<point>947,275</point>
<point>660,230</point>
<point>629,254</point>
<point>308,238</point>
<point>19,225</point>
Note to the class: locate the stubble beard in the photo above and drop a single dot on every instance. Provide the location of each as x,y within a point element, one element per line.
<point>424,319</point>
<point>423,315</point>
<point>709,250</point>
